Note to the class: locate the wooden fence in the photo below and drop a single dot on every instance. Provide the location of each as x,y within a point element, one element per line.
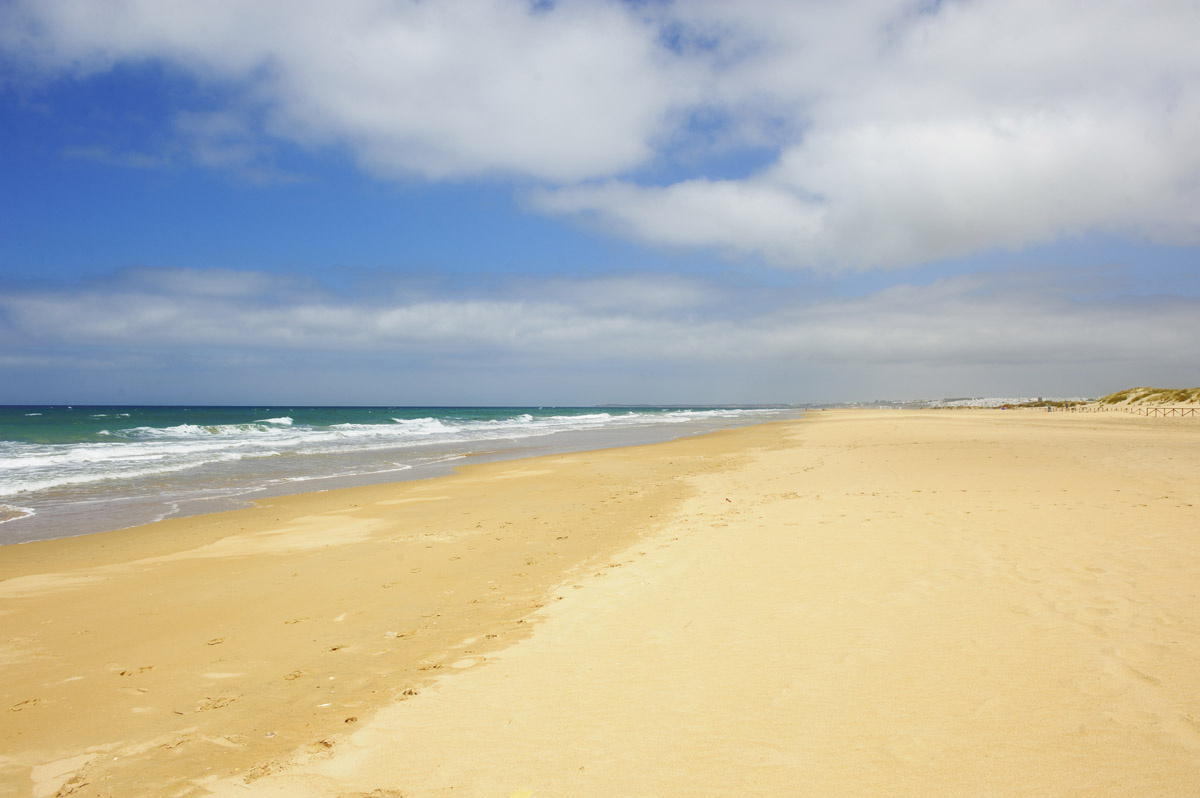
<point>1139,410</point>
<point>1160,410</point>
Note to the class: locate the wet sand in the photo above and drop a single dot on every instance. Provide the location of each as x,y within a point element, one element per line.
<point>856,603</point>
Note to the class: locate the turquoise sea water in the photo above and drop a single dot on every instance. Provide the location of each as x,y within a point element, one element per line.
<point>73,470</point>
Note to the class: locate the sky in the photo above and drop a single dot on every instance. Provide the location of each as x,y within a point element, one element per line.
<point>505,202</point>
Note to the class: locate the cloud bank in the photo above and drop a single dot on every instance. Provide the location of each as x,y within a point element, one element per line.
<point>1056,325</point>
<point>884,133</point>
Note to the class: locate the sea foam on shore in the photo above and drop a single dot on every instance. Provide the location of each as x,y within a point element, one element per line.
<point>73,470</point>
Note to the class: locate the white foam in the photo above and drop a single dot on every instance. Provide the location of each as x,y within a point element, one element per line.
<point>343,475</point>
<point>172,509</point>
<point>144,451</point>
<point>25,479</point>
<point>204,430</point>
<point>424,426</point>
<point>11,512</point>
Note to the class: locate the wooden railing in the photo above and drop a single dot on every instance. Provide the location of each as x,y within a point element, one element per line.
<point>1162,411</point>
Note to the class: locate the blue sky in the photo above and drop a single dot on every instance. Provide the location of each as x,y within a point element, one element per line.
<point>499,202</point>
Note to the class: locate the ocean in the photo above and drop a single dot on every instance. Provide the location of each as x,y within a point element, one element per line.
<point>67,471</point>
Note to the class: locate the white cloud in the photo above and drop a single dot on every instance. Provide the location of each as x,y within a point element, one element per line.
<point>202,282</point>
<point>436,89</point>
<point>738,215</point>
<point>907,136</point>
<point>642,293</point>
<point>1030,319</point>
<point>898,131</point>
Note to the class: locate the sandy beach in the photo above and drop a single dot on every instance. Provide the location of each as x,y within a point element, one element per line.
<point>959,602</point>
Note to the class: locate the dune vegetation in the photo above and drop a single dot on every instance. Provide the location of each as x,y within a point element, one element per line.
<point>1152,396</point>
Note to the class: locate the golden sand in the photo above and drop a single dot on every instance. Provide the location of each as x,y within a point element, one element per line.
<point>857,603</point>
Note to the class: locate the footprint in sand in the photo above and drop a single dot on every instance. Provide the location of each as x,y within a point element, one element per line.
<point>216,703</point>
<point>131,672</point>
<point>262,769</point>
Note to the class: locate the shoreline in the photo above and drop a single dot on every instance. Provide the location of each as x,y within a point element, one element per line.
<point>123,503</point>
<point>147,622</point>
<point>924,602</point>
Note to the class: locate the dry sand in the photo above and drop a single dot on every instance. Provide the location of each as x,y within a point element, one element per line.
<point>859,603</point>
